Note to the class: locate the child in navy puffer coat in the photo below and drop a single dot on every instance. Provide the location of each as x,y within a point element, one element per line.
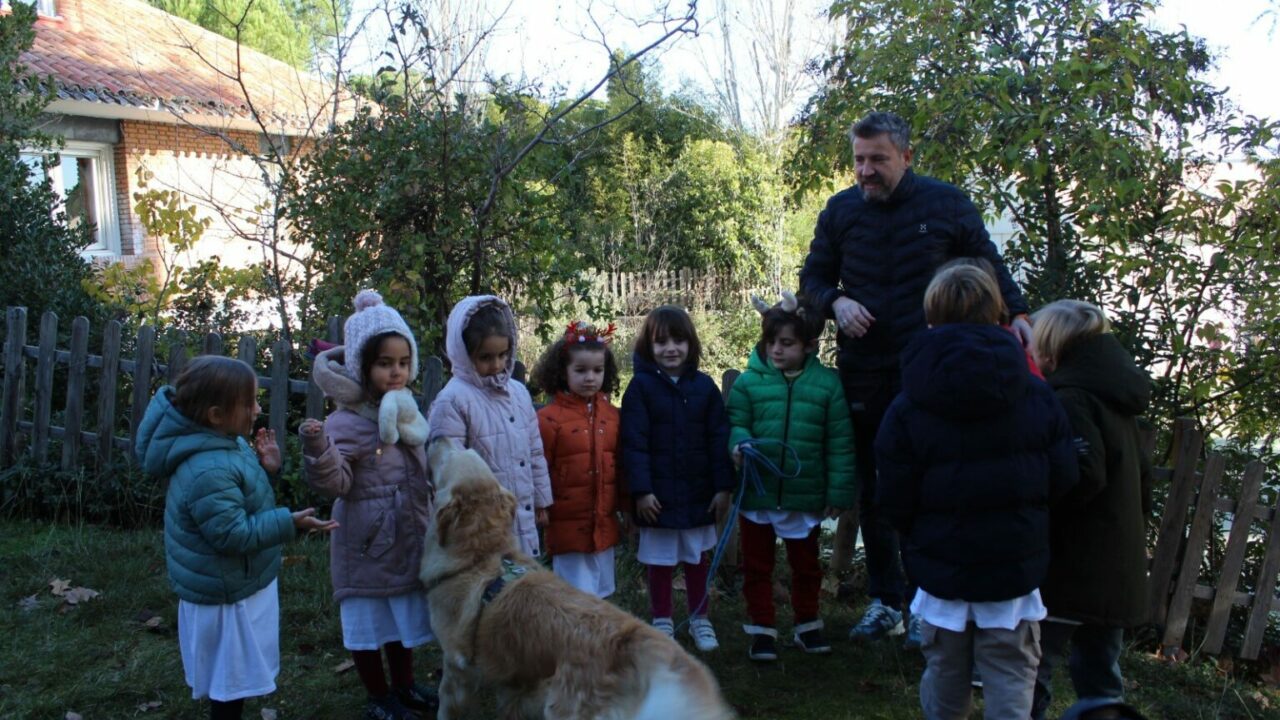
<point>675,445</point>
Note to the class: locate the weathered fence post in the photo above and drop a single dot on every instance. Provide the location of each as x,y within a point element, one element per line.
<point>177,356</point>
<point>14,340</point>
<point>1193,553</point>
<point>279,418</point>
<point>46,359</point>
<point>212,344</point>
<point>144,355</point>
<point>77,361</point>
<point>432,382</point>
<point>1174,518</point>
<point>1229,576</point>
<point>1264,591</point>
<point>107,392</point>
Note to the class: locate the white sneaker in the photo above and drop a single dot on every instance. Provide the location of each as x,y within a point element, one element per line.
<point>704,636</point>
<point>665,625</point>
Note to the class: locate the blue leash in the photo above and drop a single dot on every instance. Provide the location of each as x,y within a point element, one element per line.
<point>753,461</point>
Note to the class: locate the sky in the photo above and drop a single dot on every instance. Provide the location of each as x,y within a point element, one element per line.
<point>555,40</point>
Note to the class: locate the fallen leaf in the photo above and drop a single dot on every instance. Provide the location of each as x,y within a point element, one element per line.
<point>293,560</point>
<point>29,603</point>
<point>344,666</point>
<point>58,586</point>
<point>153,623</point>
<point>154,704</point>
<point>678,584</point>
<point>268,714</point>
<point>830,586</point>
<point>144,615</point>
<point>78,595</point>
<point>71,715</point>
<point>1263,701</point>
<point>1173,655</point>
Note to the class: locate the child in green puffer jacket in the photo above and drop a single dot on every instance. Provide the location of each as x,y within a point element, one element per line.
<point>787,395</point>
<point>222,530</point>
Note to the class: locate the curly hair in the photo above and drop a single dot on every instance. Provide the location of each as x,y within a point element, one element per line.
<point>551,373</point>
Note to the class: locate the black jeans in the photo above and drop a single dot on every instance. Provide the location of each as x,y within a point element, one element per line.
<point>869,394</point>
<point>1094,662</point>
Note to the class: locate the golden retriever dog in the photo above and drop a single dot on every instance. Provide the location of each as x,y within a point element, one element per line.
<point>544,648</point>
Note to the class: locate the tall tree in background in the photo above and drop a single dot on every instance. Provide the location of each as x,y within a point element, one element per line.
<point>290,30</point>
<point>1100,136</point>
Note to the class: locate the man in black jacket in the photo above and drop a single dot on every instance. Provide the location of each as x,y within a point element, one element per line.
<point>875,248</point>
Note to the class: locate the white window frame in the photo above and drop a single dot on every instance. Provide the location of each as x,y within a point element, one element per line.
<point>44,8</point>
<point>106,243</point>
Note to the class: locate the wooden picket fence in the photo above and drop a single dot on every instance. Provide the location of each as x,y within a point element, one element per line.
<point>636,293</point>
<point>1181,546</point>
<point>26,427</point>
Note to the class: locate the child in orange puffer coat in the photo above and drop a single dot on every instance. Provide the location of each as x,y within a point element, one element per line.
<point>580,438</point>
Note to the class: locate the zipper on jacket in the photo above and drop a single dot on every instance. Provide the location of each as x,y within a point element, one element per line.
<point>786,432</point>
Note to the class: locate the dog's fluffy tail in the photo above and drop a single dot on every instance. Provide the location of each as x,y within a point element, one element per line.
<point>692,696</point>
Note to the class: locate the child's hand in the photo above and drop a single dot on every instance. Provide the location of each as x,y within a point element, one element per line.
<point>720,504</point>
<point>541,517</point>
<point>264,444</point>
<point>648,507</point>
<point>312,432</point>
<point>306,520</point>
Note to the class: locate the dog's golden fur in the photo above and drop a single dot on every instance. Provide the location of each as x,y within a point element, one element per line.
<point>546,649</point>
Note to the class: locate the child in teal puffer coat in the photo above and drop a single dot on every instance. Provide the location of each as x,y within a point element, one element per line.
<point>787,395</point>
<point>222,531</point>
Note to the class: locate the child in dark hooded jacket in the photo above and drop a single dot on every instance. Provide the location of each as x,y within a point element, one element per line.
<point>971,455</point>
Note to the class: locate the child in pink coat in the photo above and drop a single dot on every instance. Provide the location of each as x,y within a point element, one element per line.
<point>488,411</point>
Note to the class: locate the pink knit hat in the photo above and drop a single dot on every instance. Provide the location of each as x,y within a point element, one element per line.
<point>371,319</point>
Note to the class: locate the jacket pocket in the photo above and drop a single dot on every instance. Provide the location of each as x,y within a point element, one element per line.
<point>382,531</point>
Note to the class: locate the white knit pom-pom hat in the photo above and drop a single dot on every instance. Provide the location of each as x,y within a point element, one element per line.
<point>371,319</point>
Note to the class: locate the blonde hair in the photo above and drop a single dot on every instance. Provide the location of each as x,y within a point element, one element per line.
<point>962,294</point>
<point>1059,325</point>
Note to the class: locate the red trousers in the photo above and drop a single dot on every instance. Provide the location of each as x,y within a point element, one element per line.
<point>758,551</point>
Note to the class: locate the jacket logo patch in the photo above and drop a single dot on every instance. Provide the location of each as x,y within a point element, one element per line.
<point>924,228</point>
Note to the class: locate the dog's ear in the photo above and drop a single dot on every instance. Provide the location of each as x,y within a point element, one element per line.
<point>447,518</point>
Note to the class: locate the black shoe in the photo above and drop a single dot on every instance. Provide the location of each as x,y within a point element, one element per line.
<point>388,707</point>
<point>764,645</point>
<point>810,638</point>
<point>419,698</point>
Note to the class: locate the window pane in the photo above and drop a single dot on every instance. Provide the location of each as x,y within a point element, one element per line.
<point>77,182</point>
<point>35,165</point>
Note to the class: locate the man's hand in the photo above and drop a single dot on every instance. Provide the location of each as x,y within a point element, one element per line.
<point>851,317</point>
<point>1021,327</point>
<point>648,507</point>
<point>264,444</point>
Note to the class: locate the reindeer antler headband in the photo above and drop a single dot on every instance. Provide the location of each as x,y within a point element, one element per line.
<point>580,332</point>
<point>788,304</point>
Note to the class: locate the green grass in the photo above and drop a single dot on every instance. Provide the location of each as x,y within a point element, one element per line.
<point>101,660</point>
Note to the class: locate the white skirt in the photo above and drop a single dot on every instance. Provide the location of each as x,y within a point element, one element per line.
<point>592,573</point>
<point>664,546</point>
<point>787,524</point>
<point>368,623</point>
<point>231,651</point>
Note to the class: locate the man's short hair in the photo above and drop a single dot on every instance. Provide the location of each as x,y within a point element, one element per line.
<point>962,294</point>
<point>879,123</point>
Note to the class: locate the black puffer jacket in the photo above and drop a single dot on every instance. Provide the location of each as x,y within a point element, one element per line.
<point>971,455</point>
<point>883,254</point>
<point>1098,573</point>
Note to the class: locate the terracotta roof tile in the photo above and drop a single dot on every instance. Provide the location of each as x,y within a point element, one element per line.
<point>127,52</point>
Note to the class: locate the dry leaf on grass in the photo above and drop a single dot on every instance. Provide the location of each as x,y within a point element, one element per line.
<point>59,587</point>
<point>72,715</point>
<point>29,603</point>
<point>1263,701</point>
<point>153,623</point>
<point>78,595</point>
<point>146,706</point>
<point>268,714</point>
<point>344,666</point>
<point>288,560</point>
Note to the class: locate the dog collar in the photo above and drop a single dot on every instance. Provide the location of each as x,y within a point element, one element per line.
<point>510,573</point>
